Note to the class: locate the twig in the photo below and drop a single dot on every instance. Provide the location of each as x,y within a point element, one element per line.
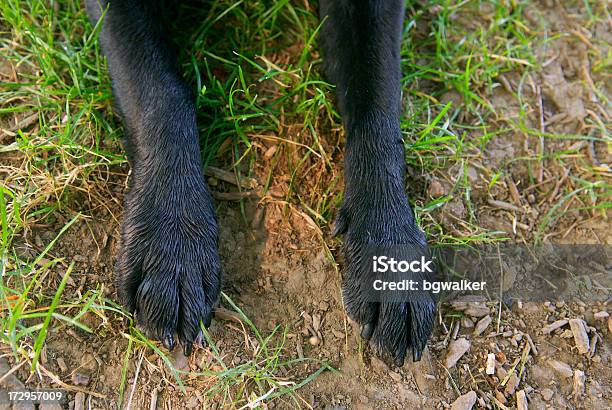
<point>542,130</point>
<point>235,196</point>
<point>67,386</point>
<point>560,182</point>
<point>129,403</point>
<point>504,205</point>
<point>13,370</point>
<point>230,177</point>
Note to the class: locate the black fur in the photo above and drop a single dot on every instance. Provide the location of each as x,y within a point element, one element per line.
<point>168,270</point>
<point>361,45</point>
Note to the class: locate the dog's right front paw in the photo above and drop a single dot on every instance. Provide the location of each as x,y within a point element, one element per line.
<point>168,271</point>
<point>393,326</point>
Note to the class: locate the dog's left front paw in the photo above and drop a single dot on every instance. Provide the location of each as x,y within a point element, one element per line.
<point>391,326</point>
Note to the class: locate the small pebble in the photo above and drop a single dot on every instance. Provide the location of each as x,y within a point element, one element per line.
<point>456,349</point>
<point>467,322</point>
<point>465,402</point>
<point>561,368</point>
<point>513,382</point>
<point>580,335</point>
<point>80,379</point>
<point>521,400</point>
<point>500,397</point>
<point>477,310</point>
<point>314,340</point>
<point>547,394</point>
<point>436,189</point>
<point>79,401</point>
<point>578,385</point>
<point>490,363</point>
<point>554,326</point>
<point>62,365</point>
<point>482,325</point>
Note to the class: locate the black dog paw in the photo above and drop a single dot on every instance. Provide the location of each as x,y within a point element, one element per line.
<point>168,270</point>
<point>393,326</point>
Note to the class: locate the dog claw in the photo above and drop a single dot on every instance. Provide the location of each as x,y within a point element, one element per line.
<point>367,330</point>
<point>169,342</point>
<point>200,341</point>
<point>187,349</point>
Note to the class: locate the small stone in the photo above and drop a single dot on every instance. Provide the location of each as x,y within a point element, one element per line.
<point>482,325</point>
<point>580,335</point>
<point>436,189</point>
<point>490,363</point>
<point>561,368</point>
<point>467,322</point>
<point>62,365</point>
<point>80,379</point>
<point>456,349</point>
<point>579,383</point>
<point>314,340</point>
<point>465,402</point>
<point>547,394</point>
<point>500,397</point>
<point>477,310</point>
<point>500,357</point>
<point>521,400</point>
<point>512,384</point>
<point>554,326</point>
<point>601,315</point>
<point>79,401</point>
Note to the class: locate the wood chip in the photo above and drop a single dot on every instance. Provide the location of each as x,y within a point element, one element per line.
<point>456,349</point>
<point>521,400</point>
<point>580,335</point>
<point>465,402</point>
<point>554,326</point>
<point>482,325</point>
<point>490,363</point>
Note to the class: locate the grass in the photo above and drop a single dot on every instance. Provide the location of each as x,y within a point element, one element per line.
<point>255,70</point>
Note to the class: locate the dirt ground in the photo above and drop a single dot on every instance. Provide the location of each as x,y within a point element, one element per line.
<point>280,270</point>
